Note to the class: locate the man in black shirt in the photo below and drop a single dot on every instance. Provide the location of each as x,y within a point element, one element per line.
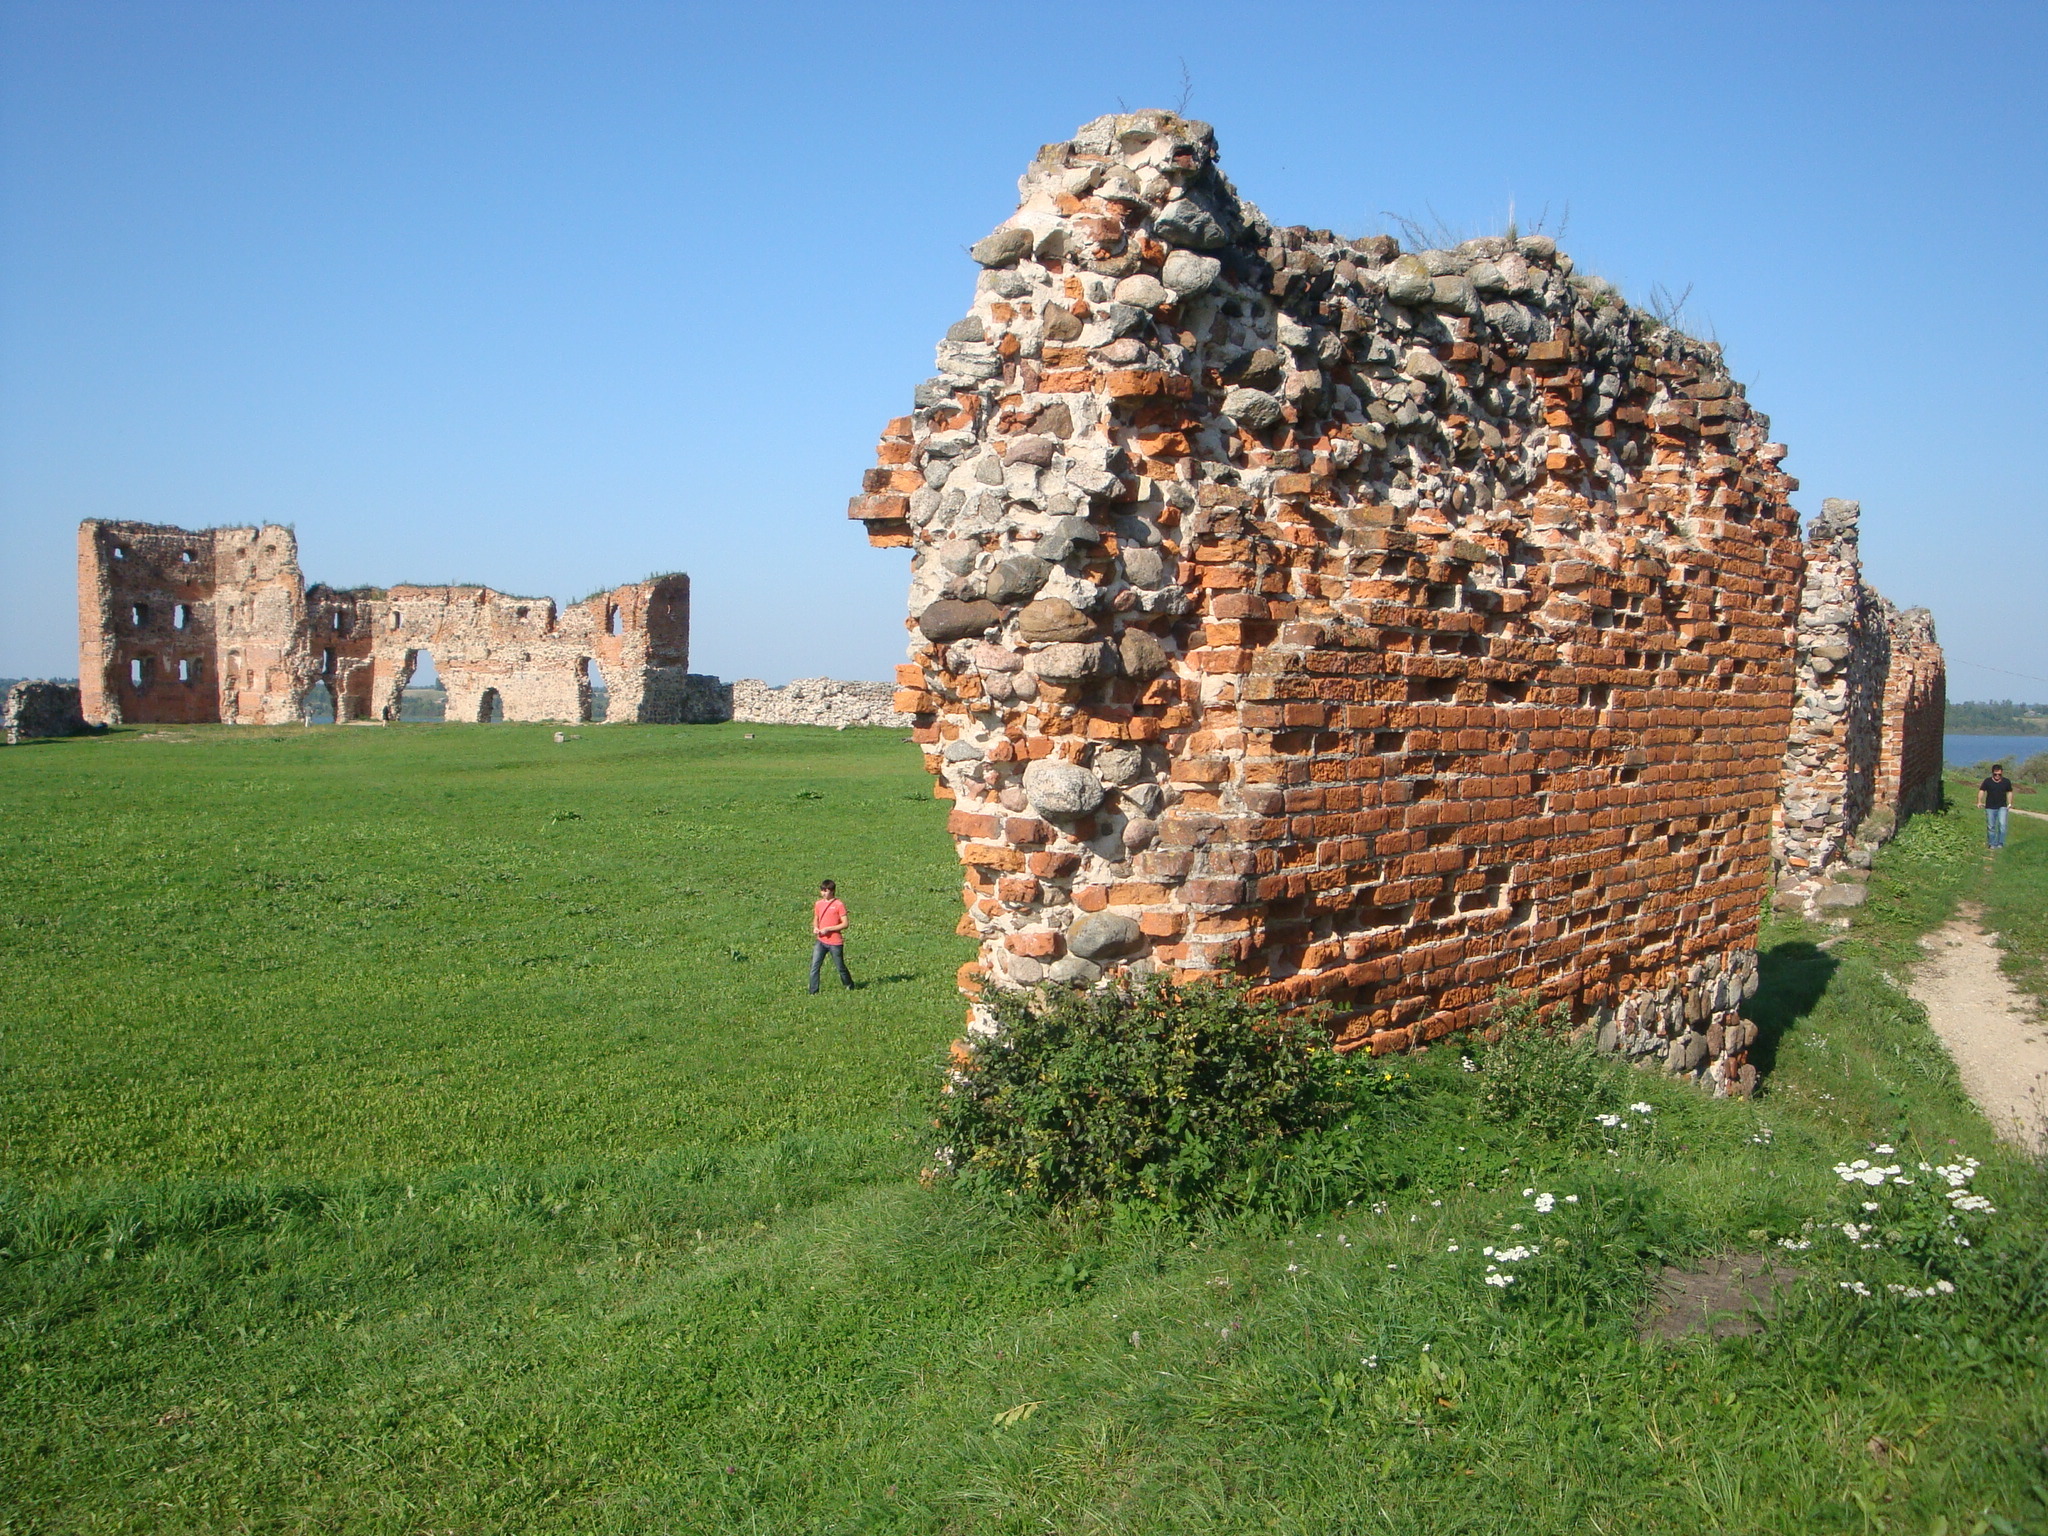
<point>1993,796</point>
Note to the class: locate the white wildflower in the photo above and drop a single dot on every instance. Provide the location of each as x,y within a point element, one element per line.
<point>1545,1203</point>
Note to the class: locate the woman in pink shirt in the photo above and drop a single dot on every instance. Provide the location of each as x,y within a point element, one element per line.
<point>828,927</point>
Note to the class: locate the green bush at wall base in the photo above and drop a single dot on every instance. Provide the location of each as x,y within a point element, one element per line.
<point>1147,1092</point>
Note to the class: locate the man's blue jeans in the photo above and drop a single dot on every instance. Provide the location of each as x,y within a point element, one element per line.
<point>1994,826</point>
<point>819,951</point>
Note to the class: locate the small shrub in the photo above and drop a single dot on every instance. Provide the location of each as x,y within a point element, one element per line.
<point>1541,1079</point>
<point>1148,1092</point>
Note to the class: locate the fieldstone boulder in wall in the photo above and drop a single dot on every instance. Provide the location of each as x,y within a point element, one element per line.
<point>1103,935</point>
<point>950,619</point>
<point>1053,619</point>
<point>1061,790</point>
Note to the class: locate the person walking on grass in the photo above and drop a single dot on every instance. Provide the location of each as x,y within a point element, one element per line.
<point>828,929</point>
<point>1993,796</point>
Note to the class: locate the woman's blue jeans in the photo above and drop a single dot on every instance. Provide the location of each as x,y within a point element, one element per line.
<point>819,951</point>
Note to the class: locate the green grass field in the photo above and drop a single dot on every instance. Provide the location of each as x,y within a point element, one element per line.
<point>426,1130</point>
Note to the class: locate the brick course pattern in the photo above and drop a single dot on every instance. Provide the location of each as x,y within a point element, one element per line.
<point>1386,628</point>
<point>1864,750</point>
<point>217,625</point>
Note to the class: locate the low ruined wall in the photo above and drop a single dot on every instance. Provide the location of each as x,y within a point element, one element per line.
<point>1864,749</point>
<point>1386,628</point>
<point>816,701</point>
<point>37,710</point>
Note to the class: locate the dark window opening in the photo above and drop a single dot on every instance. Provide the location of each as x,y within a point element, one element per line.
<point>138,615</point>
<point>518,613</point>
<point>181,617</point>
<point>120,552</point>
<point>397,619</point>
<point>340,623</point>
<point>327,662</point>
<point>184,557</point>
<point>490,709</point>
<point>188,669</point>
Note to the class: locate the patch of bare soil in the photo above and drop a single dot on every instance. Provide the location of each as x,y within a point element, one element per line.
<point>1734,1295</point>
<point>1990,1027</point>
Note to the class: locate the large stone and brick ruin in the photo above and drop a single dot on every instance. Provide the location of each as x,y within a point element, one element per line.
<point>1384,627</point>
<point>218,625</point>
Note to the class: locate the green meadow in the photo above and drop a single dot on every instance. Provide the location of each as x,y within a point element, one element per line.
<point>426,1129</point>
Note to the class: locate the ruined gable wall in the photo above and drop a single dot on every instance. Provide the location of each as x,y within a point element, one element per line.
<point>1385,628</point>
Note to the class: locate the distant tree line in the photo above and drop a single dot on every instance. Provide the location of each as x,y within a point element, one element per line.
<point>1997,717</point>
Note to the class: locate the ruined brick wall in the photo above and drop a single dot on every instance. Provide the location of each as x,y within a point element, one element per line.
<point>185,626</point>
<point>1915,716</point>
<point>1384,627</point>
<point>1864,749</point>
<point>36,710</point>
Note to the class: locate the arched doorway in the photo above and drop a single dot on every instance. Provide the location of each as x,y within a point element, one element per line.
<point>421,697</point>
<point>490,709</point>
<point>316,704</point>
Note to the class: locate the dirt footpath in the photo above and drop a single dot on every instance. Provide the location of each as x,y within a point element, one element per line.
<point>1990,1027</point>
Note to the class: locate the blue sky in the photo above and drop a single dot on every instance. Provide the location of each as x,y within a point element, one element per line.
<point>550,296</point>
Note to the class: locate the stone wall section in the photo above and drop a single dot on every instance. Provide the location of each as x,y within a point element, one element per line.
<point>217,625</point>
<point>817,701</point>
<point>1864,749</point>
<point>1386,628</point>
<point>36,710</point>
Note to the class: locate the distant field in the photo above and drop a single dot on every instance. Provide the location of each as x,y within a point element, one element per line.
<point>425,1129</point>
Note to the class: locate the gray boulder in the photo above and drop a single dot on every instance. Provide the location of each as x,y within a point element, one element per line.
<point>1104,935</point>
<point>1252,409</point>
<point>1002,248</point>
<point>1070,662</point>
<point>1188,274</point>
<point>950,619</point>
<point>1061,790</point>
<point>1017,578</point>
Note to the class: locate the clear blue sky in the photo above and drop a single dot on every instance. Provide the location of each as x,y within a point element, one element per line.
<point>550,296</point>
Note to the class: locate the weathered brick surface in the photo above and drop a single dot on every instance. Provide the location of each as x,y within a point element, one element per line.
<point>1384,628</point>
<point>185,626</point>
<point>1864,750</point>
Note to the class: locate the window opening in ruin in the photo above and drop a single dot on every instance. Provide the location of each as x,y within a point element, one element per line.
<point>613,624</point>
<point>185,557</point>
<point>188,669</point>
<point>138,673</point>
<point>397,619</point>
<point>490,709</point>
<point>120,552</point>
<point>518,613</point>
<point>316,705</point>
<point>181,617</point>
<point>327,661</point>
<point>138,615</point>
<point>340,623</point>
<point>593,697</point>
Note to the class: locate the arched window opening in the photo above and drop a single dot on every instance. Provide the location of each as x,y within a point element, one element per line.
<point>120,551</point>
<point>490,709</point>
<point>316,705</point>
<point>185,557</point>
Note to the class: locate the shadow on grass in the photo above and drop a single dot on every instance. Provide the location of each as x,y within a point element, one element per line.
<point>1792,978</point>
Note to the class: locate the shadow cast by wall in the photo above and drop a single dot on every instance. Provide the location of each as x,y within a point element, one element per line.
<point>1792,977</point>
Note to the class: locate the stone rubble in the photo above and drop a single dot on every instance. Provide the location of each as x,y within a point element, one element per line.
<point>815,701</point>
<point>1384,627</point>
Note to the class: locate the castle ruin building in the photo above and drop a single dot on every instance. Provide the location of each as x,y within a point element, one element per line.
<point>181,626</point>
<point>1383,627</point>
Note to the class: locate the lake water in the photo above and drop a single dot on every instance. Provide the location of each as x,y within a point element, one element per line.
<point>2009,750</point>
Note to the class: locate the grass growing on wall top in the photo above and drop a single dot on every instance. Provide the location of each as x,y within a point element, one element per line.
<point>691,1282</point>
